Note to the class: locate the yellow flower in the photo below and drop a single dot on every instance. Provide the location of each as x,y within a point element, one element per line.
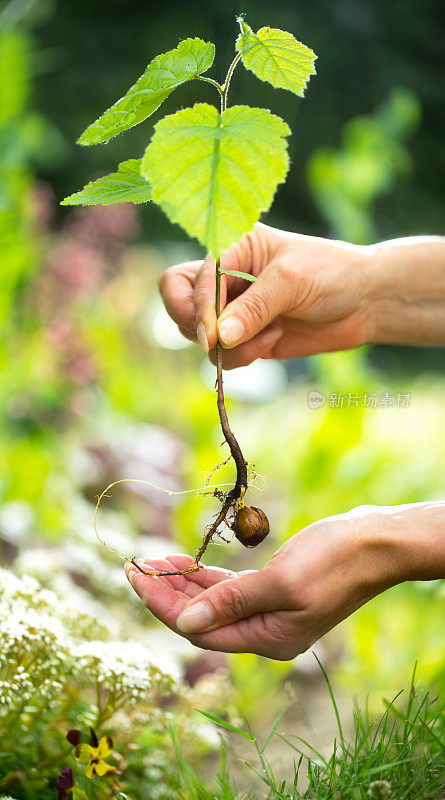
<point>94,757</point>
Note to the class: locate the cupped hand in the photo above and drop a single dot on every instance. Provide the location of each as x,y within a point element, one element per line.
<point>312,295</point>
<point>315,580</point>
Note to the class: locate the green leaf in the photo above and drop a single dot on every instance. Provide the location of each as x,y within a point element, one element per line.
<point>214,174</point>
<point>277,57</point>
<point>164,74</point>
<point>127,185</point>
<point>226,725</point>
<point>245,275</point>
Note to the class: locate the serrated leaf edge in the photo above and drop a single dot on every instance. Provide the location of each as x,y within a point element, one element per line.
<point>266,80</point>
<point>174,85</point>
<point>286,131</point>
<point>122,170</point>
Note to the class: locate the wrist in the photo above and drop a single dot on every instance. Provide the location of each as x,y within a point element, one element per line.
<point>406,542</point>
<point>406,291</point>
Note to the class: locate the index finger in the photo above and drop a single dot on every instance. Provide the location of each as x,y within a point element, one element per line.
<point>176,286</point>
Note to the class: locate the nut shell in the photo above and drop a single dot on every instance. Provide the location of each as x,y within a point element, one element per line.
<point>251,526</point>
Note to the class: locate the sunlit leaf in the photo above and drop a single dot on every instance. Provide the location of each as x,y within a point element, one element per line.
<point>214,174</point>
<point>164,74</point>
<point>277,57</point>
<point>127,185</point>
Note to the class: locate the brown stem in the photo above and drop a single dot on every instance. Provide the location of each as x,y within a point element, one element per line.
<point>241,466</point>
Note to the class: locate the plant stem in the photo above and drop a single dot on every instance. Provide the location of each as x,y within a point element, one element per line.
<point>241,466</point>
<point>235,450</point>
<point>226,84</point>
<point>212,81</point>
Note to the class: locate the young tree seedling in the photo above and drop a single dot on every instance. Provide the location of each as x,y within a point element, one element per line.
<point>213,170</point>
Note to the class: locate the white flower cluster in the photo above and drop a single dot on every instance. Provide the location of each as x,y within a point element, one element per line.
<point>125,667</point>
<point>33,644</point>
<point>44,642</point>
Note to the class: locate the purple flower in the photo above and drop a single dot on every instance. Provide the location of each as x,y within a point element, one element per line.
<point>74,737</point>
<point>64,783</point>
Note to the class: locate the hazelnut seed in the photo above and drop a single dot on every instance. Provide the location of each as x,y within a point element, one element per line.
<point>251,526</point>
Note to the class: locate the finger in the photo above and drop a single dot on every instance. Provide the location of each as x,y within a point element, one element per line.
<point>305,338</point>
<point>259,634</point>
<point>254,309</point>
<point>267,634</point>
<point>176,286</point>
<point>188,334</point>
<point>205,577</point>
<point>274,634</point>
<point>204,303</point>
<point>263,345</point>
<point>178,582</point>
<point>232,600</point>
<point>165,602</point>
<point>188,584</point>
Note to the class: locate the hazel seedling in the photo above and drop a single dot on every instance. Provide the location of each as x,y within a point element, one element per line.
<point>214,171</point>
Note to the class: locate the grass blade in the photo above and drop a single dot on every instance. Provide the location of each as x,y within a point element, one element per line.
<point>273,731</point>
<point>334,704</point>
<point>226,725</point>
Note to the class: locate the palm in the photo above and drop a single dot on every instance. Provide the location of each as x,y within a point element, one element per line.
<point>166,597</point>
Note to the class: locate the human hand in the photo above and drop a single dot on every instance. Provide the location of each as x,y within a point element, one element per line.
<point>316,579</point>
<point>310,297</point>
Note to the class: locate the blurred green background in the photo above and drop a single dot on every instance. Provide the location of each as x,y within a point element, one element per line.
<point>96,384</point>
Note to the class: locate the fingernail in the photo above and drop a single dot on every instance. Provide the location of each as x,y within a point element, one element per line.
<point>129,572</point>
<point>202,336</point>
<point>196,618</point>
<point>270,338</point>
<point>230,330</point>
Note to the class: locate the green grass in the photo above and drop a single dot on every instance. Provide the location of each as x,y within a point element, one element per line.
<point>399,755</point>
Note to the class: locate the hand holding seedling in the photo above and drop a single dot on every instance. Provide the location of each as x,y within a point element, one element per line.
<point>316,579</point>
<point>311,296</point>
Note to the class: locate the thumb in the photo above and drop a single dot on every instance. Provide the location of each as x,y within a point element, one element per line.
<point>229,601</point>
<point>252,310</point>
<point>204,302</point>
